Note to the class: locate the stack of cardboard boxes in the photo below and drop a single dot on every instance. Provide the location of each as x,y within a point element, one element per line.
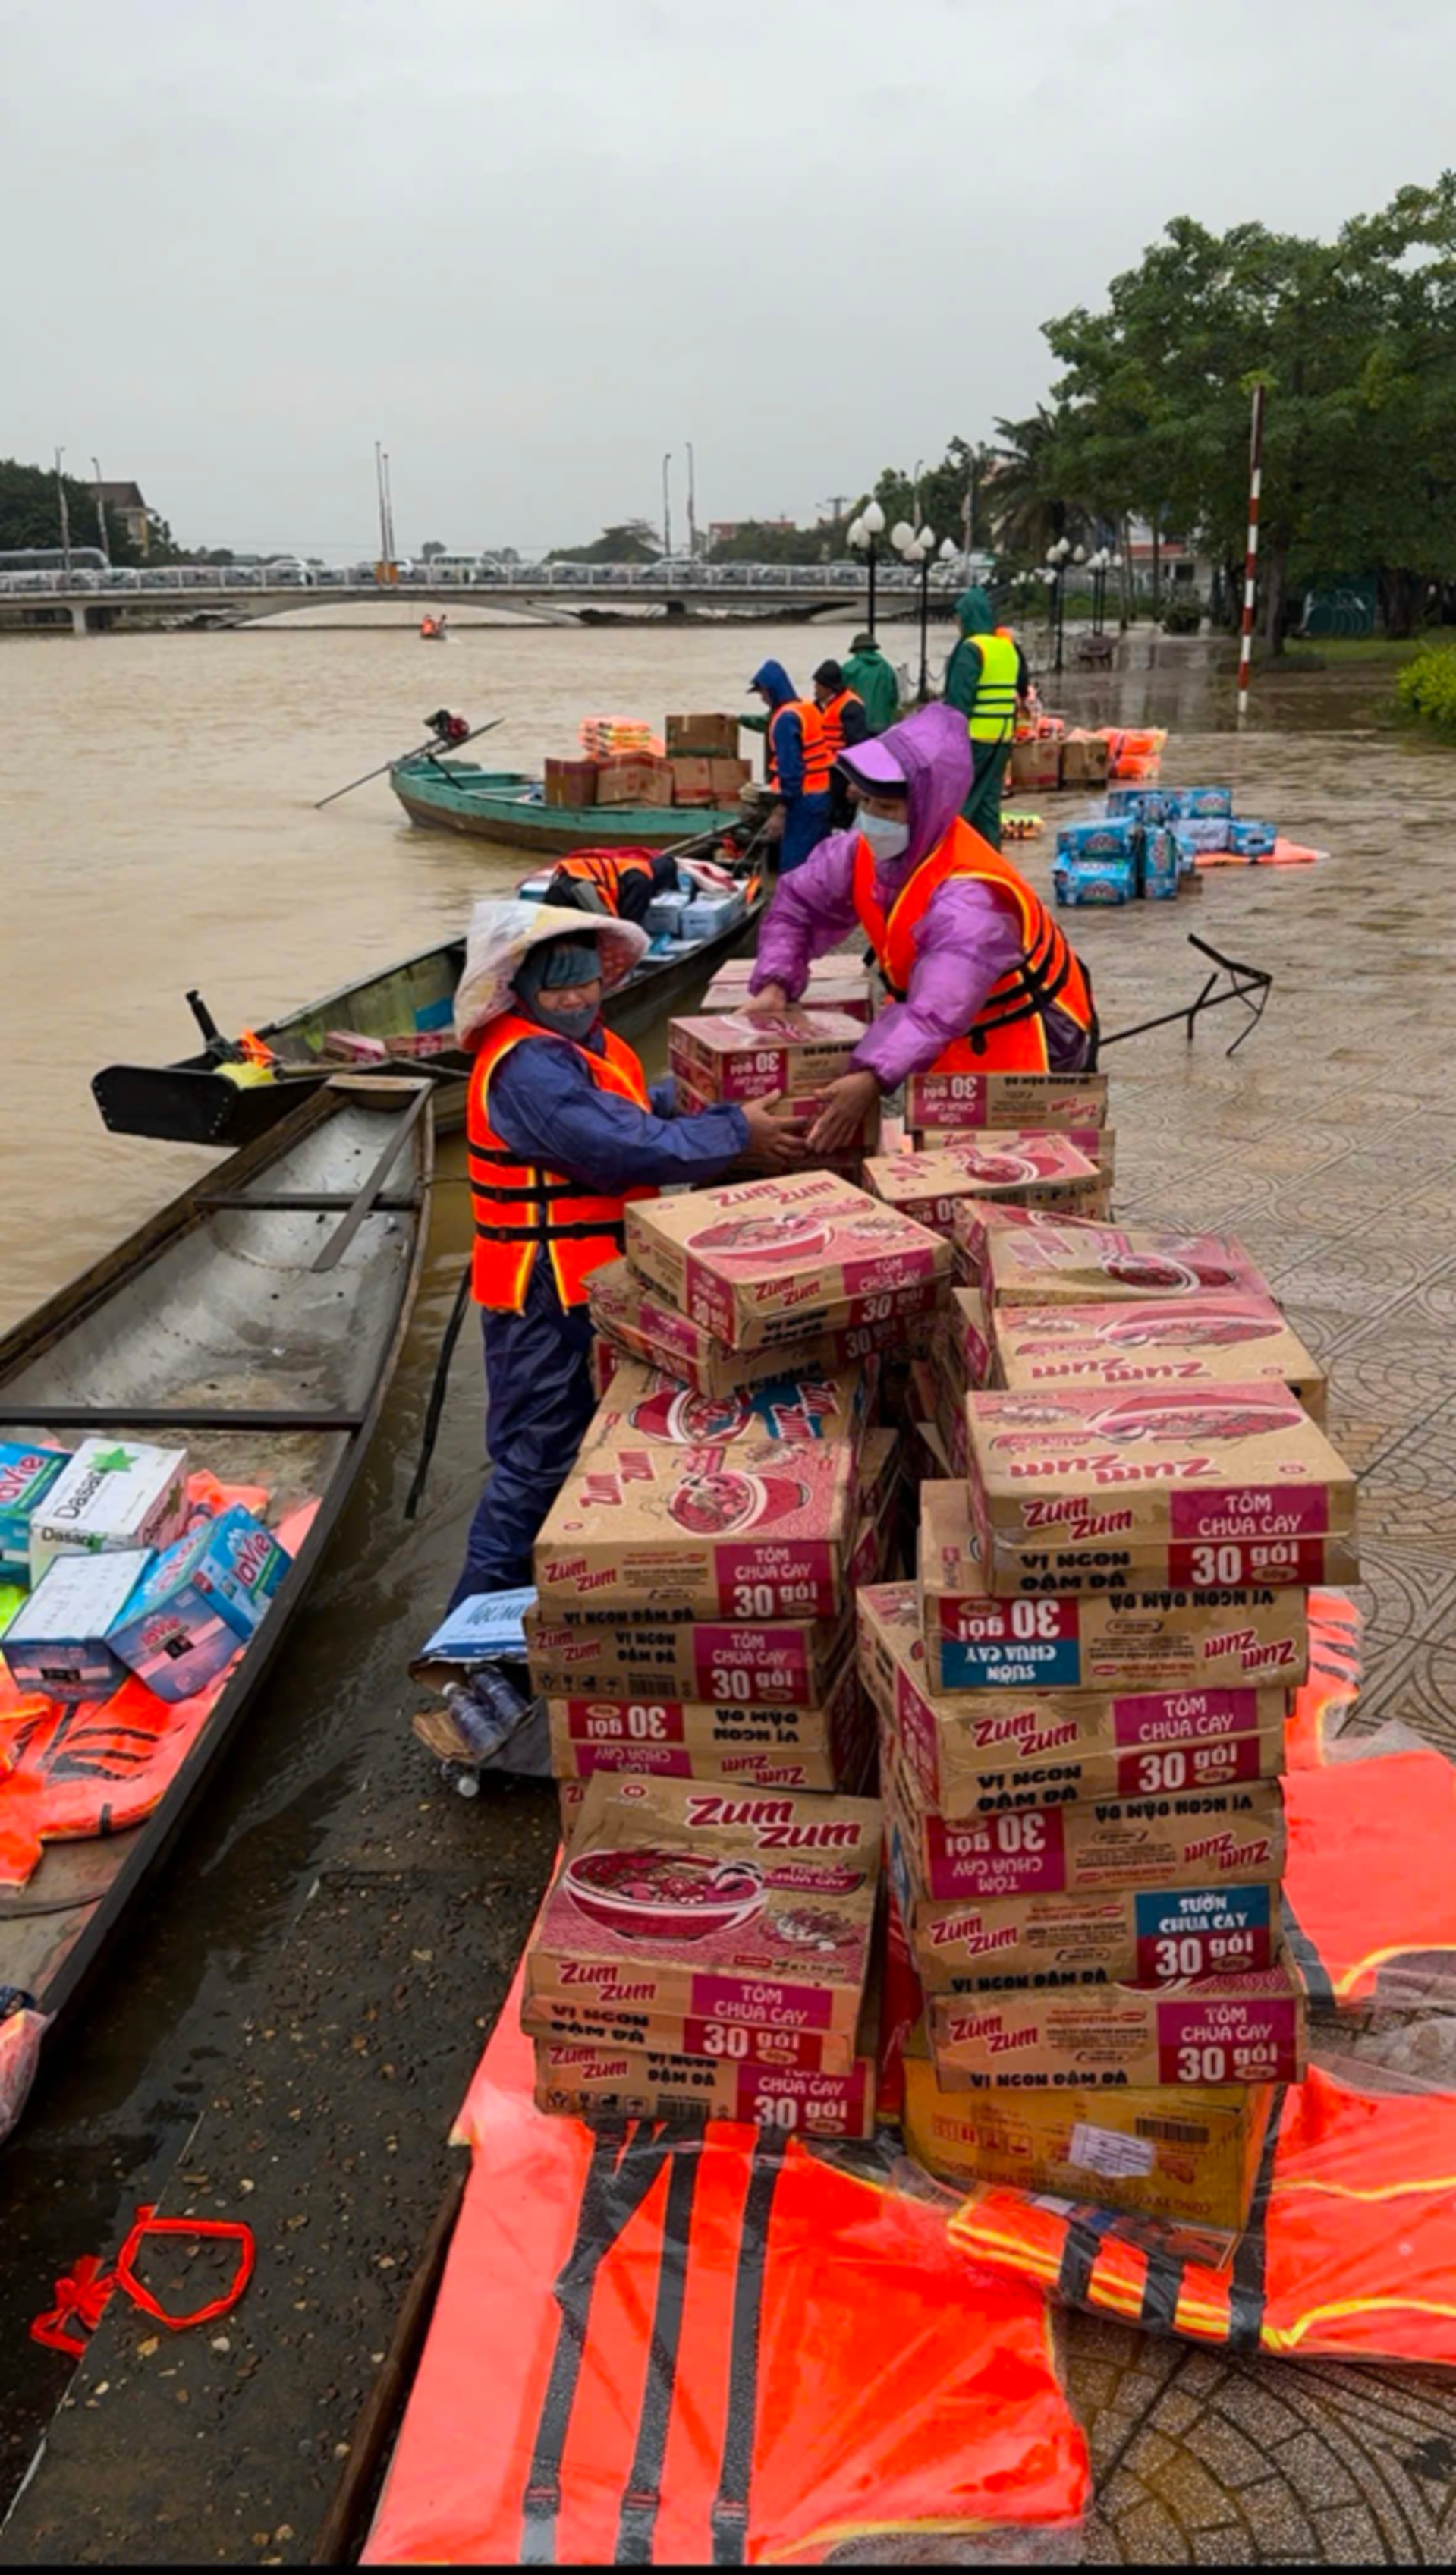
<point>791,1059</point>
<point>694,1635</point>
<point>1082,1716</point>
<point>622,761</point>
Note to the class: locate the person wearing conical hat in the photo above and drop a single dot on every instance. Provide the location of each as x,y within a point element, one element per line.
<point>563,1130</point>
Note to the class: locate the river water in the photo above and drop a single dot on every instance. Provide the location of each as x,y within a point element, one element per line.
<point>157,831</point>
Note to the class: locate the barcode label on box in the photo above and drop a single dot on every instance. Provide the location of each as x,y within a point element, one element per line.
<point>1104,2150</point>
<point>1176,2132</point>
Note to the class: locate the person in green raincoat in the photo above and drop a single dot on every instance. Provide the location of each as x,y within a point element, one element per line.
<point>986,681</point>
<point>873,680</point>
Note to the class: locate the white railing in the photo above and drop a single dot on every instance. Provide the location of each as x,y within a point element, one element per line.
<point>175,580</point>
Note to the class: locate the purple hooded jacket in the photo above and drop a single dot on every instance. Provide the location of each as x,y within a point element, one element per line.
<point>965,939</point>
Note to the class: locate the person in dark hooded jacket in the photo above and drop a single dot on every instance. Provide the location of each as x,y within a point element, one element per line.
<point>969,937</point>
<point>798,763</point>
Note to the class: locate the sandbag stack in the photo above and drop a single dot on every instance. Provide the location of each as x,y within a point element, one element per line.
<point>1081,1713</point>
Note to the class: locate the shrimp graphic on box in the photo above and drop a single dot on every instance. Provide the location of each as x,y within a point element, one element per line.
<point>713,1499</point>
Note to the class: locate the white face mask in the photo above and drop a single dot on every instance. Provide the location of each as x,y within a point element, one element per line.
<point>886,839</point>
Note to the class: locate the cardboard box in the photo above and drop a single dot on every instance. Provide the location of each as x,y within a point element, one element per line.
<point>1034,768</point>
<point>877,1537</point>
<point>1028,1259</point>
<point>755,1529</point>
<point>198,1602</point>
<point>1162,1640</point>
<point>797,1052</point>
<point>743,1906</point>
<point>27,1475</point>
<point>787,1663</point>
<point>837,983</point>
<point>1190,2154</point>
<point>714,737</point>
<point>1202,1485</point>
<point>769,1259</point>
<point>1025,1102</point>
<point>564,2020</point>
<point>111,1494</point>
<point>1228,2029</point>
<point>691,778</point>
<point>1223,1339</point>
<point>787,1748</point>
<point>729,777</point>
<point>798,1404</point>
<point>597,2082</point>
<point>623,1308</point>
<point>570,783</point>
<point>1128,1845</point>
<point>58,1639</point>
<point>800,1116</point>
<point>974,1753</point>
<point>1016,1170</point>
<point>1099,1144</point>
<point>633,779</point>
<point>1082,882</point>
<point>1084,760</point>
<point>964,1347</point>
<point>1052,1944</point>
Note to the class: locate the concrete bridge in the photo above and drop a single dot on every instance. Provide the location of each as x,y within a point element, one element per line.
<point>554,594</point>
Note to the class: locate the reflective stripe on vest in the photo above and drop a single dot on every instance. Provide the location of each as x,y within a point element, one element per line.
<point>1349,2253</point>
<point>604,869</point>
<point>815,744</point>
<point>1010,1033</point>
<point>521,1208</point>
<point>992,715</point>
<point>834,716</point>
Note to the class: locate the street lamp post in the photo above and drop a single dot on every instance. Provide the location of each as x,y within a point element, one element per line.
<point>862,535</point>
<point>692,507</point>
<point>1057,558</point>
<point>101,511</point>
<point>915,551</point>
<point>667,507</point>
<point>65,514</point>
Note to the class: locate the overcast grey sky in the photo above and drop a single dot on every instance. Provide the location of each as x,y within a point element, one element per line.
<point>531,244</point>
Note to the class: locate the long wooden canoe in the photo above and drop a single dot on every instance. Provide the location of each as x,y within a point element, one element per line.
<point>506,805</point>
<point>197,1101</point>
<point>256,1322</point>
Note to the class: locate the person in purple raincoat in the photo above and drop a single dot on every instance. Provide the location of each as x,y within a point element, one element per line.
<point>910,784</point>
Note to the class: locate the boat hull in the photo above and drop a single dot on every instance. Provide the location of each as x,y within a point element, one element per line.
<point>212,1326</point>
<point>497,804</point>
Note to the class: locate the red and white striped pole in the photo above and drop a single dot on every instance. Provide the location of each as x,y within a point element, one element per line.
<point>1251,555</point>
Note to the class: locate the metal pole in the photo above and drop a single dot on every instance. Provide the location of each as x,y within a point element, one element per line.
<point>925,630</point>
<point>872,590</point>
<point>1059,610</point>
<point>389,509</point>
<point>666,508</point>
<point>1251,551</point>
<point>101,511</point>
<point>692,507</point>
<point>65,514</point>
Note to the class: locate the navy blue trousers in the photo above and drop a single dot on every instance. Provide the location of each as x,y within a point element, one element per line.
<point>538,1402</point>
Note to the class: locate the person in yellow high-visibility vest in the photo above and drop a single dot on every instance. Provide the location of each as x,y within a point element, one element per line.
<point>986,681</point>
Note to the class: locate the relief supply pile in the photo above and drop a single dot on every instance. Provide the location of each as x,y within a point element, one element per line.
<point>624,762</point>
<point>706,1946</point>
<point>1082,1711</point>
<point>1150,840</point>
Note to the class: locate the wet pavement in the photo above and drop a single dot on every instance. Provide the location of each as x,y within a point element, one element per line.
<point>302,2007</point>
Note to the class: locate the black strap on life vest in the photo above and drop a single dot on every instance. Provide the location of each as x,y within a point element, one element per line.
<point>729,2518</point>
<point>1085,2232</point>
<point>542,1195</point>
<point>1248,2294</point>
<point>637,2518</point>
<point>619,2178</point>
<point>1314,1975</point>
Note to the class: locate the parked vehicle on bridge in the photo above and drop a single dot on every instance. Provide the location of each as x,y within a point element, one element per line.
<point>289,570</point>
<point>52,559</point>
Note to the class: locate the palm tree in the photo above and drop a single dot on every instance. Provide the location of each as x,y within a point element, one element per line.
<point>1025,492</point>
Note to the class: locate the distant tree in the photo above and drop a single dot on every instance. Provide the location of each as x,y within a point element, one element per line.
<point>30,511</point>
<point>758,541</point>
<point>432,550</point>
<point>634,541</point>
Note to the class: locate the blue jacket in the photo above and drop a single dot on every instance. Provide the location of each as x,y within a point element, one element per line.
<point>785,738</point>
<point>545,1106</point>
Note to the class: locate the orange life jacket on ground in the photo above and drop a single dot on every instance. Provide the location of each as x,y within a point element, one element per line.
<point>1349,2254</point>
<point>710,2349</point>
<point>834,718</point>
<point>521,1208</point>
<point>816,755</point>
<point>1010,1035</point>
<point>604,870</point>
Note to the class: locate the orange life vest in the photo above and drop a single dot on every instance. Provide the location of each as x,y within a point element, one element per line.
<point>605,870</point>
<point>1009,1034</point>
<point>521,1208</point>
<point>833,718</point>
<point>1349,2254</point>
<point>817,754</point>
<point>666,2332</point>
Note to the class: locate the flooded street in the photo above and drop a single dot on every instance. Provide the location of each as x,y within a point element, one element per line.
<point>323,1954</point>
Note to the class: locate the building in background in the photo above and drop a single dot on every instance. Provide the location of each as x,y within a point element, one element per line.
<point>123,501</point>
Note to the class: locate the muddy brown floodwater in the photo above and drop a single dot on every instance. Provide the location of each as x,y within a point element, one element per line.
<point>288,2029</point>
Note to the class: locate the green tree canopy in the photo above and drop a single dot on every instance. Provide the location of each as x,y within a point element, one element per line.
<point>634,541</point>
<point>30,511</point>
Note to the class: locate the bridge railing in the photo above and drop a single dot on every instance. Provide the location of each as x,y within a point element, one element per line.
<point>227,580</point>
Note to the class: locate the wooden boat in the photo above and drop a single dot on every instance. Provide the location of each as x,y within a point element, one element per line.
<point>197,1101</point>
<point>505,804</point>
<point>255,1322</point>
